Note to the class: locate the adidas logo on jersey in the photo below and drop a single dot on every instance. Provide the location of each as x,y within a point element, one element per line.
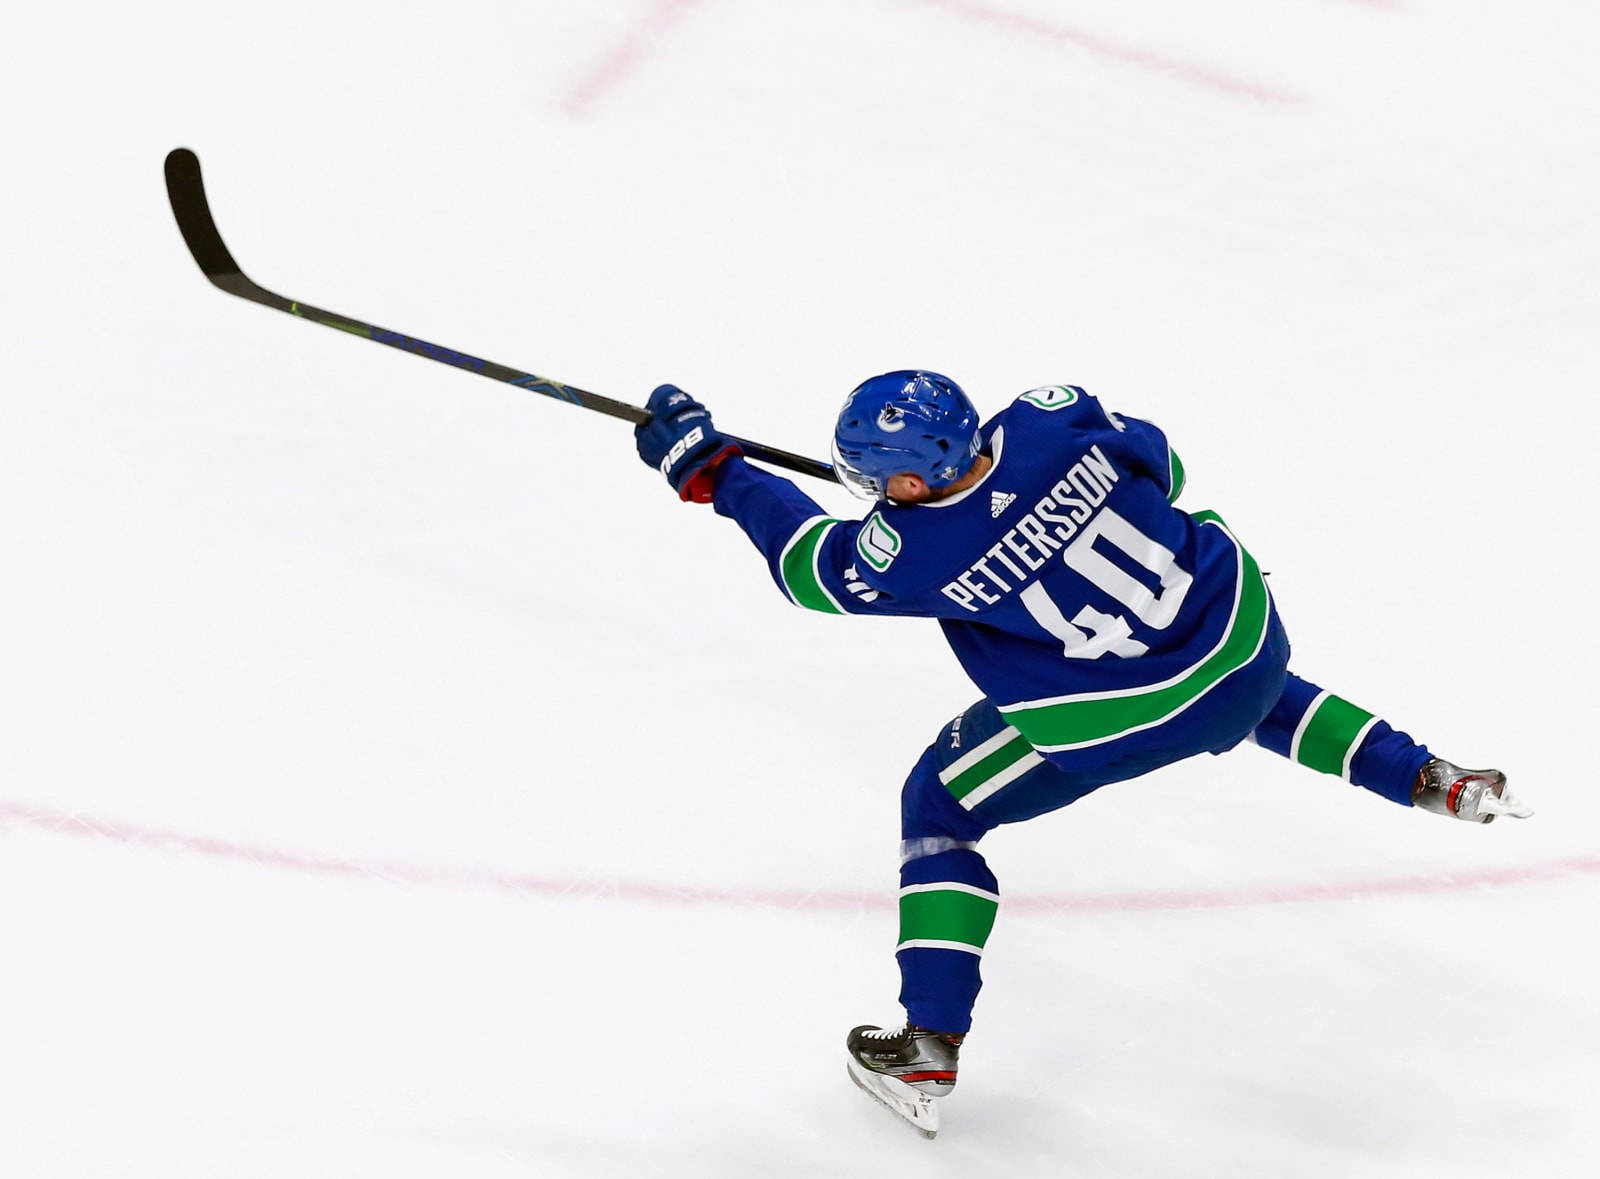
<point>999,501</point>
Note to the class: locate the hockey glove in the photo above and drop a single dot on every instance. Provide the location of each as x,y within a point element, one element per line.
<point>680,442</point>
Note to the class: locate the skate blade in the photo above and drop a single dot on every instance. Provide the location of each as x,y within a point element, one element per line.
<point>918,1110</point>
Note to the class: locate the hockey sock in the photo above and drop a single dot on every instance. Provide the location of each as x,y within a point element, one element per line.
<point>948,903</point>
<point>1327,733</point>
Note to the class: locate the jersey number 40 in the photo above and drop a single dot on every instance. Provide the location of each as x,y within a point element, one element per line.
<point>1092,633</point>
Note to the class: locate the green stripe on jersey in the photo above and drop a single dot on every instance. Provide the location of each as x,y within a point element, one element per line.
<point>798,567</point>
<point>1071,722</point>
<point>1175,476</point>
<point>1329,735</point>
<point>931,913</point>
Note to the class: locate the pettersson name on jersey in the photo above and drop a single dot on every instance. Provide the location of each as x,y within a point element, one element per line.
<point>1045,530</point>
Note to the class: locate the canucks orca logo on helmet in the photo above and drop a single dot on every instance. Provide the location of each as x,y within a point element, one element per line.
<point>905,422</point>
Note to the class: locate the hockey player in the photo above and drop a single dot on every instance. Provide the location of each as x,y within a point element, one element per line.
<point>1110,633</point>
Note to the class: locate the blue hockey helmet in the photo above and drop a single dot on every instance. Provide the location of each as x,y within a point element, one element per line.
<point>908,421</point>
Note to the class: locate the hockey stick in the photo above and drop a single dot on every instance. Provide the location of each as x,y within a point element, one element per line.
<point>187,193</point>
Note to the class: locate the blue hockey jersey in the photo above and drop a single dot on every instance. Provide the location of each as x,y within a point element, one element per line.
<point>1081,602</point>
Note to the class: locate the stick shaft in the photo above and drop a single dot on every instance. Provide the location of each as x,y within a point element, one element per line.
<point>187,194</point>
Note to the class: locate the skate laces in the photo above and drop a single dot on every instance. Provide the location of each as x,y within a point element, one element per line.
<point>910,1032</point>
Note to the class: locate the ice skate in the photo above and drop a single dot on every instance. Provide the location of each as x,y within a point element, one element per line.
<point>907,1071</point>
<point>1474,795</point>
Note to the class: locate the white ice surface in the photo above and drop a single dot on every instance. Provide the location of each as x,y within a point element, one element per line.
<point>396,781</point>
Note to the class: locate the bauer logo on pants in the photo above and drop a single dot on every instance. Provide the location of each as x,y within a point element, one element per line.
<point>877,543</point>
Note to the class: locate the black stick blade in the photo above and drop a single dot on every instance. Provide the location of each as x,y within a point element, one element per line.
<point>187,192</point>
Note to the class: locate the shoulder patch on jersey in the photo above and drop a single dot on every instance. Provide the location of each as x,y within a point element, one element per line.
<point>1053,396</point>
<point>877,543</point>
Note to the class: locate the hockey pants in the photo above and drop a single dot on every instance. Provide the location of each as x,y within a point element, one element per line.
<point>979,774</point>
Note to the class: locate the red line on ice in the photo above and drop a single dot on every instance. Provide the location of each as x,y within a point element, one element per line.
<point>1139,901</point>
<point>624,57</point>
<point>1183,71</point>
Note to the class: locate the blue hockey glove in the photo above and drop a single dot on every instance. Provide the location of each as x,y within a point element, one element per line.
<point>680,442</point>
